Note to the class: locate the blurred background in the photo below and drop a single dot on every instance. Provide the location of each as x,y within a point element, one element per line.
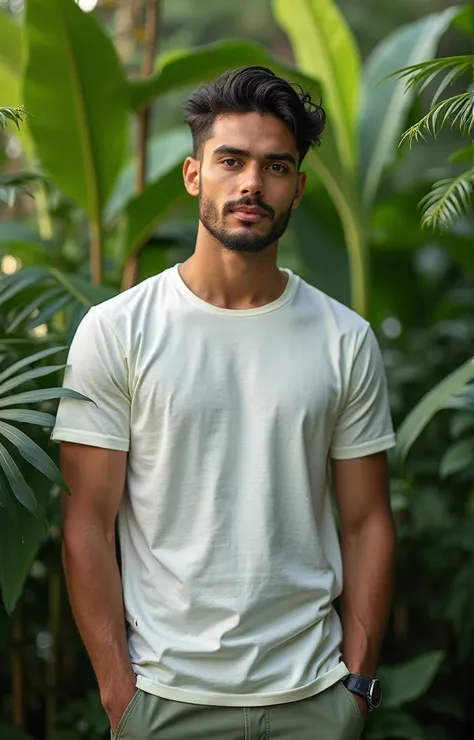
<point>92,202</point>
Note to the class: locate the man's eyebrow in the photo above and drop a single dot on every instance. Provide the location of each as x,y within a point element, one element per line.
<point>272,156</point>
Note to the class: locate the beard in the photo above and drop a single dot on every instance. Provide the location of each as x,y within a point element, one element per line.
<point>244,240</point>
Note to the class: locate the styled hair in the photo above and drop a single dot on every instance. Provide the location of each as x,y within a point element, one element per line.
<point>255,89</point>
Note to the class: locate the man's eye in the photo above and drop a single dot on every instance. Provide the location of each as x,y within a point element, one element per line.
<point>230,162</point>
<point>277,167</point>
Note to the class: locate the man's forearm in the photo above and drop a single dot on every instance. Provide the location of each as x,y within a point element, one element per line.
<point>368,564</point>
<point>95,593</point>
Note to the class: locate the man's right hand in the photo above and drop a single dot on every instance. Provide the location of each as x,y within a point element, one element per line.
<point>116,699</point>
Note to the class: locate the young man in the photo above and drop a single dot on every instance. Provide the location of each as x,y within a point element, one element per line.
<point>223,389</point>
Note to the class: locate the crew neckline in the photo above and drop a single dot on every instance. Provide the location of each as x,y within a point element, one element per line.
<point>287,294</point>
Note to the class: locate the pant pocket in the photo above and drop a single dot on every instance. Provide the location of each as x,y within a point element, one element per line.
<point>129,709</point>
<point>350,698</point>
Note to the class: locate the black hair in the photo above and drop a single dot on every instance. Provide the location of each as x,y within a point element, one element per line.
<point>255,89</point>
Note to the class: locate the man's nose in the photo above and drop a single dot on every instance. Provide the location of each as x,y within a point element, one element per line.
<point>252,182</point>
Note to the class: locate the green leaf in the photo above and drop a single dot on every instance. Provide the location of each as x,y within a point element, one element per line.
<point>7,502</point>
<point>31,307</point>
<point>325,49</point>
<point>151,207</point>
<point>47,313</point>
<point>448,201</point>
<point>38,372</point>
<point>85,292</point>
<point>182,68</point>
<point>76,92</point>
<point>15,233</point>
<point>33,454</point>
<point>434,400</point>
<point>386,724</point>
<point>25,278</point>
<point>11,45</point>
<point>26,416</point>
<point>457,458</point>
<point>408,681</point>
<point>25,361</point>
<point>384,103</point>
<point>165,152</point>
<point>21,536</point>
<point>20,488</point>
<point>45,394</point>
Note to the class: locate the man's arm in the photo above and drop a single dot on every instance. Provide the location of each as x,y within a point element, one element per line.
<point>368,541</point>
<point>96,478</point>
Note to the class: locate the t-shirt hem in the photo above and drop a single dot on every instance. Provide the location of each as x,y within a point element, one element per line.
<point>244,700</point>
<point>64,434</point>
<point>367,448</point>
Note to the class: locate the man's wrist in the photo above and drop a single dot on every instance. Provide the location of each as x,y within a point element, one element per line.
<point>119,685</point>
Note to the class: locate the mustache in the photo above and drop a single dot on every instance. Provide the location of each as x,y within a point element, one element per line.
<point>231,205</point>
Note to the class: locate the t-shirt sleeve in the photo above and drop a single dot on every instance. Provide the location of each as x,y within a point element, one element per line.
<point>97,368</point>
<point>364,425</point>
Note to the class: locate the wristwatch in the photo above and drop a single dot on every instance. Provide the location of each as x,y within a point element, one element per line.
<point>369,688</point>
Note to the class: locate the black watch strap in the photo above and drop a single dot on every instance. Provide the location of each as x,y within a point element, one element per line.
<point>358,685</point>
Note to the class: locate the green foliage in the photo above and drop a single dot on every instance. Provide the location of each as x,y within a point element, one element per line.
<point>448,200</point>
<point>77,101</point>
<point>424,411</point>
<point>385,103</point>
<point>357,200</point>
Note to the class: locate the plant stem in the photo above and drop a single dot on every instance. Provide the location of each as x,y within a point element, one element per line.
<point>130,271</point>
<point>18,714</point>
<point>354,233</point>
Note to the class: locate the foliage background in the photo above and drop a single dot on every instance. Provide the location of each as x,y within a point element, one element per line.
<point>72,245</point>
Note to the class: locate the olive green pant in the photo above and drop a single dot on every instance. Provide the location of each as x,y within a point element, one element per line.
<point>331,715</point>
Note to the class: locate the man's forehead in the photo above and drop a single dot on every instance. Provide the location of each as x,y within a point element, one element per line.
<point>251,131</point>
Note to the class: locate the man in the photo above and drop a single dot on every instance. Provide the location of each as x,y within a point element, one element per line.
<point>221,390</point>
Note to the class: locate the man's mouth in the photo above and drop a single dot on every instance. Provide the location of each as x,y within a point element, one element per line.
<point>249,213</point>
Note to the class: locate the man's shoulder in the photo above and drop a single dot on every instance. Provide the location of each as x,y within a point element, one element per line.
<point>331,313</point>
<point>124,312</point>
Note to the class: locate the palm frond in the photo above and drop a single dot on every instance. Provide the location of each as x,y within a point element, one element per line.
<point>449,200</point>
<point>17,114</point>
<point>457,110</point>
<point>425,72</point>
<point>14,483</point>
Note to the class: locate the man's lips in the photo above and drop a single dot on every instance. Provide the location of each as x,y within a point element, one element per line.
<point>249,213</point>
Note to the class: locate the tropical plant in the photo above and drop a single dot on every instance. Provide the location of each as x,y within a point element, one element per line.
<point>450,198</point>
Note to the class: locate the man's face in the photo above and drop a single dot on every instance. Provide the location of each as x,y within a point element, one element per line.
<point>247,180</point>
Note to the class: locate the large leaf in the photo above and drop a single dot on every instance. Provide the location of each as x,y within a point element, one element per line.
<point>21,536</point>
<point>11,69</point>
<point>325,49</point>
<point>423,412</point>
<point>408,681</point>
<point>148,209</point>
<point>164,153</point>
<point>384,103</point>
<point>75,91</point>
<point>181,68</point>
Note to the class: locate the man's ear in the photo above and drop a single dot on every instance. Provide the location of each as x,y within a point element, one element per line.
<point>300,189</point>
<point>191,175</point>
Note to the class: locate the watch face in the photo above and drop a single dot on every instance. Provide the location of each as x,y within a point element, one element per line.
<point>375,693</point>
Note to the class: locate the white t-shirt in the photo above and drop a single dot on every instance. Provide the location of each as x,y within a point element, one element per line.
<point>230,556</point>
